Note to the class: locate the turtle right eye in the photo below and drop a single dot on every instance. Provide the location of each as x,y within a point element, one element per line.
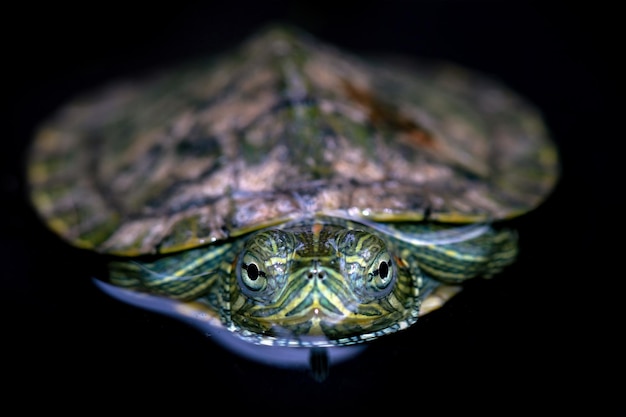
<point>253,278</point>
<point>262,266</point>
<point>252,270</point>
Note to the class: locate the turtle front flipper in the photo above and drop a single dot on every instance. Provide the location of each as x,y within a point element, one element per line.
<point>184,276</point>
<point>481,252</point>
<point>447,262</point>
<point>438,297</point>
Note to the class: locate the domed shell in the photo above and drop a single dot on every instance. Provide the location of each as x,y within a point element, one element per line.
<point>284,127</point>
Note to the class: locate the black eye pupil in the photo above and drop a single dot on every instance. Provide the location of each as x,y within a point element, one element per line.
<point>253,271</point>
<point>383,270</point>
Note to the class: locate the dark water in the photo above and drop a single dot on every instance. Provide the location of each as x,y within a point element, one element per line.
<point>543,334</point>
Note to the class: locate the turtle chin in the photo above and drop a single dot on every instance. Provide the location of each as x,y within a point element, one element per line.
<point>307,327</point>
<point>315,326</point>
<point>311,324</point>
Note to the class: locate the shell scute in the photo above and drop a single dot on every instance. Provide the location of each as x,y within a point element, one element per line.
<point>285,127</point>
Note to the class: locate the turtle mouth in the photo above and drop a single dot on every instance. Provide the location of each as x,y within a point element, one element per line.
<point>313,301</point>
<point>322,306</point>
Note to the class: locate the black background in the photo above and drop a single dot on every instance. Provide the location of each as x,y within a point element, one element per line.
<point>543,335</point>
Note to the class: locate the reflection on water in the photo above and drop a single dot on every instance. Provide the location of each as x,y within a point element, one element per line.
<point>318,360</point>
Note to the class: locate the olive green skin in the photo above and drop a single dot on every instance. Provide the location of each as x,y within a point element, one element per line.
<point>187,165</point>
<point>325,281</point>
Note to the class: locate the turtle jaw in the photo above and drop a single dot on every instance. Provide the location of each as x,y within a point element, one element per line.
<point>318,303</point>
<point>331,283</point>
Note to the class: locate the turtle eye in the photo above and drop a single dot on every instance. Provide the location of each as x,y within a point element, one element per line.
<point>261,270</point>
<point>367,264</point>
<point>381,273</point>
<point>252,277</point>
<point>383,269</point>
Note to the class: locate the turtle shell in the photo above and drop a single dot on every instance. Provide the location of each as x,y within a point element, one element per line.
<point>283,128</point>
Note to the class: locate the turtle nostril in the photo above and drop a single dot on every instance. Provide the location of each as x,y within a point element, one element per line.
<point>318,274</point>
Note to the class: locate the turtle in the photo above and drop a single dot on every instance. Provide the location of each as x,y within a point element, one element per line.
<point>293,194</point>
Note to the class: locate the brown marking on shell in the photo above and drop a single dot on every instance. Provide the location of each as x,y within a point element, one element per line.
<point>383,115</point>
<point>284,128</point>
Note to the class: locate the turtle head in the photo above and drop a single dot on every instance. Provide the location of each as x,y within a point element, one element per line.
<point>327,283</point>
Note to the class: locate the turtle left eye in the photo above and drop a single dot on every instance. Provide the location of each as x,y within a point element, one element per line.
<point>383,269</point>
<point>381,275</point>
